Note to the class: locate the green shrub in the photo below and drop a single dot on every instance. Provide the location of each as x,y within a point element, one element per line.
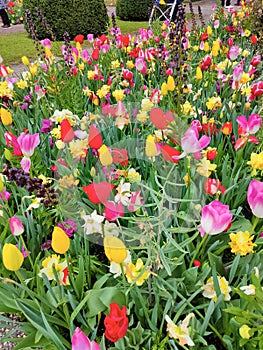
<point>72,16</point>
<point>133,10</point>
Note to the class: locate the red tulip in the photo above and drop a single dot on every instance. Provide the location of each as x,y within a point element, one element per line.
<point>98,193</point>
<point>67,132</point>
<point>169,152</point>
<point>94,139</point>
<point>116,323</point>
<point>160,119</point>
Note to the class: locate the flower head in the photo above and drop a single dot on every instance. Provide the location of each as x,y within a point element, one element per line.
<point>241,243</point>
<point>12,257</point>
<point>180,332</point>
<point>81,342</point>
<point>16,226</point>
<point>116,322</point>
<point>52,263</point>
<point>209,288</point>
<point>255,197</point>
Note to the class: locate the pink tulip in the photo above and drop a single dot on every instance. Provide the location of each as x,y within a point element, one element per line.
<point>191,144</point>
<point>255,197</point>
<point>238,72</point>
<point>16,226</point>
<point>233,52</point>
<point>113,211</point>
<point>216,218</point>
<point>255,61</point>
<point>250,125</point>
<point>81,342</point>
<point>28,143</point>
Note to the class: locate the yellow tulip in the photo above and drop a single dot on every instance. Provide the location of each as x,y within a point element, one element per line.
<point>164,89</point>
<point>199,73</point>
<point>170,83</point>
<point>60,241</point>
<point>115,249</point>
<point>150,147</point>
<point>105,156</point>
<point>12,257</point>
<point>25,61</point>
<point>6,116</point>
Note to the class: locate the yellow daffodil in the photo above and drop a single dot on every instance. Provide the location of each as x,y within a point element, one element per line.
<point>205,167</point>
<point>118,95</point>
<point>256,162</point>
<point>12,257</point>
<point>52,263</point>
<point>210,292</point>
<point>244,331</point>
<point>180,332</point>
<point>241,243</point>
<point>133,271</point>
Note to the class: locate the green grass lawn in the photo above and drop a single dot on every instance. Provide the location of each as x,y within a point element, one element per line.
<point>14,46</point>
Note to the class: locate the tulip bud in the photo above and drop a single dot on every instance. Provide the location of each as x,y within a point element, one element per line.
<point>16,226</point>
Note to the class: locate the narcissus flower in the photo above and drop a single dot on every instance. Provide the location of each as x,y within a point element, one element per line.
<point>60,240</point>
<point>210,292</point>
<point>52,263</point>
<point>133,271</point>
<point>180,332</point>
<point>256,162</point>
<point>241,243</point>
<point>244,331</point>
<point>92,223</point>
<point>12,257</point>
<point>115,249</point>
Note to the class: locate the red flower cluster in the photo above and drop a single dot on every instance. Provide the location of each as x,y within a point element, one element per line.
<point>116,323</point>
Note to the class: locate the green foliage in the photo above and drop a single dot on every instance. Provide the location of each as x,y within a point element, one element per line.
<point>129,10</point>
<point>71,16</point>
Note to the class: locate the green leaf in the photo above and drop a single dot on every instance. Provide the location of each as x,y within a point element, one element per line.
<point>208,314</point>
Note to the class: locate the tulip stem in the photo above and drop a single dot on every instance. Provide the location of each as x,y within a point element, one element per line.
<point>256,219</point>
<point>27,251</point>
<point>202,244</point>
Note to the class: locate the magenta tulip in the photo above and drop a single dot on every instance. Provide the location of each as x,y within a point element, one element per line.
<point>81,342</point>
<point>28,143</point>
<point>16,226</point>
<point>250,125</point>
<point>216,218</point>
<point>255,197</point>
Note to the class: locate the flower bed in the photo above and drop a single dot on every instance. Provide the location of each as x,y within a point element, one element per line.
<point>131,192</point>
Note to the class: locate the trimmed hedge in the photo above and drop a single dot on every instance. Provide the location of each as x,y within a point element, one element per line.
<point>133,10</point>
<point>72,16</point>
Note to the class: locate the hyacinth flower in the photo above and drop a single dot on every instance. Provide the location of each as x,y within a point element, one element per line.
<point>247,127</point>
<point>191,144</point>
<point>81,342</point>
<point>27,144</point>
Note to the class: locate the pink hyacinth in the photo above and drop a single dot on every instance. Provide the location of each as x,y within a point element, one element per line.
<point>250,125</point>
<point>216,218</point>
<point>255,197</point>
<point>16,226</point>
<point>81,342</point>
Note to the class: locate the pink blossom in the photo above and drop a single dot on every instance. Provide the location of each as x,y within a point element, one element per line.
<point>113,211</point>
<point>81,342</point>
<point>140,65</point>
<point>233,52</point>
<point>250,125</point>
<point>191,144</point>
<point>216,218</point>
<point>16,226</point>
<point>25,164</point>
<point>238,72</point>
<point>90,38</point>
<point>135,201</point>
<point>255,197</point>
<point>216,23</point>
<point>11,141</point>
<point>28,143</point>
<point>5,195</point>
<point>46,43</point>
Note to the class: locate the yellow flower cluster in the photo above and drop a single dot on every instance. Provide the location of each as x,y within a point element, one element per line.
<point>256,162</point>
<point>214,102</point>
<point>241,243</point>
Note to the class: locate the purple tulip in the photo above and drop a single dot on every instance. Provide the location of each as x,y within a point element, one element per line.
<point>255,197</point>
<point>216,218</point>
<point>81,342</point>
<point>28,143</point>
<point>16,226</point>
<point>250,125</point>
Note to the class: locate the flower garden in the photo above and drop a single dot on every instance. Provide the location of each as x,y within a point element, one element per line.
<point>131,192</point>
